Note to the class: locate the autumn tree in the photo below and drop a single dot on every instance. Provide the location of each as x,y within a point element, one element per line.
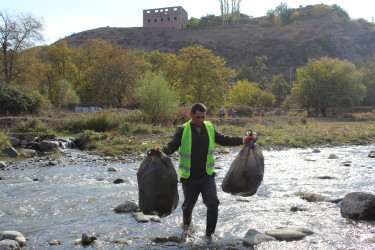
<point>328,83</point>
<point>203,76</point>
<point>17,33</point>
<point>244,93</point>
<point>112,75</point>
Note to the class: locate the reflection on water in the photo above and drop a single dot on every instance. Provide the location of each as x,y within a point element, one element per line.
<point>78,196</point>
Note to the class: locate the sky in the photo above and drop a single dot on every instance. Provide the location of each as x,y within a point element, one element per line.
<point>64,18</point>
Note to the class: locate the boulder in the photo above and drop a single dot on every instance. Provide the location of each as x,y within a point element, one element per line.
<point>358,206</point>
<point>9,245</point>
<point>14,141</point>
<point>25,136</point>
<point>162,239</point>
<point>371,154</point>
<point>13,235</point>
<point>254,237</point>
<point>11,152</point>
<point>128,206</point>
<point>46,146</point>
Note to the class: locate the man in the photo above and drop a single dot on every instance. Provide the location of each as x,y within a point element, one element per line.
<point>195,141</point>
<point>221,112</point>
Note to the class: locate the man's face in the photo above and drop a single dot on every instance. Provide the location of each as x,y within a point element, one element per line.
<point>198,118</point>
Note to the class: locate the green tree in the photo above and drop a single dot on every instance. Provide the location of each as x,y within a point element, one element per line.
<point>279,87</point>
<point>203,77</point>
<point>157,100</point>
<point>244,93</point>
<point>328,83</point>
<point>261,64</point>
<point>66,93</point>
<point>266,99</point>
<point>368,72</point>
<point>17,33</point>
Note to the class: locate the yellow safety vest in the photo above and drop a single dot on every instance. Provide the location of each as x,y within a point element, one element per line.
<point>185,150</point>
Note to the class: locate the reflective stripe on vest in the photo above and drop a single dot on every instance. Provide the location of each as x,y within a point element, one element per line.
<point>185,150</point>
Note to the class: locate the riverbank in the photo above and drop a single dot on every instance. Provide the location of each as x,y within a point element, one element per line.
<point>118,134</point>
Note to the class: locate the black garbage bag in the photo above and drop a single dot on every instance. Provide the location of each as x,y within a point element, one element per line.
<point>246,171</point>
<point>157,185</point>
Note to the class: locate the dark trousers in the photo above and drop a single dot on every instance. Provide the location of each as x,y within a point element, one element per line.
<point>207,187</point>
<point>193,187</point>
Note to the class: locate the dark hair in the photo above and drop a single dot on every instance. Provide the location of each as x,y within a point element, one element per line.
<point>198,107</point>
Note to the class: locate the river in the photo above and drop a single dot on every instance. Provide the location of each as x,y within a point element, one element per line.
<point>77,195</point>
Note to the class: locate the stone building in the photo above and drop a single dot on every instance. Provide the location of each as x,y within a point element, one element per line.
<point>170,17</point>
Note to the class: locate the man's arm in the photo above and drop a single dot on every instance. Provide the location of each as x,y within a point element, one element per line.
<point>224,140</point>
<point>175,143</point>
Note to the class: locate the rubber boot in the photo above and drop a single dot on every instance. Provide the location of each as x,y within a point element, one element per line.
<point>211,222</point>
<point>186,218</point>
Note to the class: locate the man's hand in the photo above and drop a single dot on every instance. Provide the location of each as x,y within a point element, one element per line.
<point>246,138</point>
<point>158,149</point>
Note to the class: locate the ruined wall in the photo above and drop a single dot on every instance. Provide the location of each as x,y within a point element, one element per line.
<point>170,17</point>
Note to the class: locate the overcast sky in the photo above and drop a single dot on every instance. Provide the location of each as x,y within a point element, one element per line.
<point>63,18</point>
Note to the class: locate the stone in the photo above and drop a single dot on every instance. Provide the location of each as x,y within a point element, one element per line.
<point>162,239</point>
<point>14,141</point>
<point>13,235</point>
<point>254,237</point>
<point>112,169</point>
<point>3,165</point>
<point>333,156</point>
<point>371,154</point>
<point>128,206</point>
<point>140,217</point>
<point>54,242</point>
<point>311,197</point>
<point>122,241</point>
<point>11,152</point>
<point>286,234</point>
<point>46,146</point>
<point>9,245</point>
<point>120,180</point>
<point>316,150</point>
<point>358,206</point>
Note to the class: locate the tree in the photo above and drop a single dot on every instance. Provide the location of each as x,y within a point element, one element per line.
<point>261,64</point>
<point>224,9</point>
<point>279,87</point>
<point>368,72</point>
<point>328,83</point>
<point>66,93</point>
<point>111,76</point>
<point>244,93</point>
<point>266,99</point>
<point>203,77</point>
<point>157,100</point>
<point>17,33</point>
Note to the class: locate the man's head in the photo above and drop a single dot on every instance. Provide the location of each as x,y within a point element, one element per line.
<point>198,114</point>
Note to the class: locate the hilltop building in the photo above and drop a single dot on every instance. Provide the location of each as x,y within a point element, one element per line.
<point>170,17</point>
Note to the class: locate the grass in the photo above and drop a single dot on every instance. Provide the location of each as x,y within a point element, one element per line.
<point>123,133</point>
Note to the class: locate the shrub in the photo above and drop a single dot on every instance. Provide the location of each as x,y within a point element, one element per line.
<point>4,141</point>
<point>157,100</point>
<point>182,115</point>
<point>244,111</point>
<point>101,122</point>
<point>17,99</point>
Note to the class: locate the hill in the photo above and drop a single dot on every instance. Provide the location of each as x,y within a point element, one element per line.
<point>285,46</point>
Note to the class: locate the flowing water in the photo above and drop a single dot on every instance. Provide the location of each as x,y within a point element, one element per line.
<point>78,196</point>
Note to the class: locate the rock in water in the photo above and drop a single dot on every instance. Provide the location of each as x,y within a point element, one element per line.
<point>157,185</point>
